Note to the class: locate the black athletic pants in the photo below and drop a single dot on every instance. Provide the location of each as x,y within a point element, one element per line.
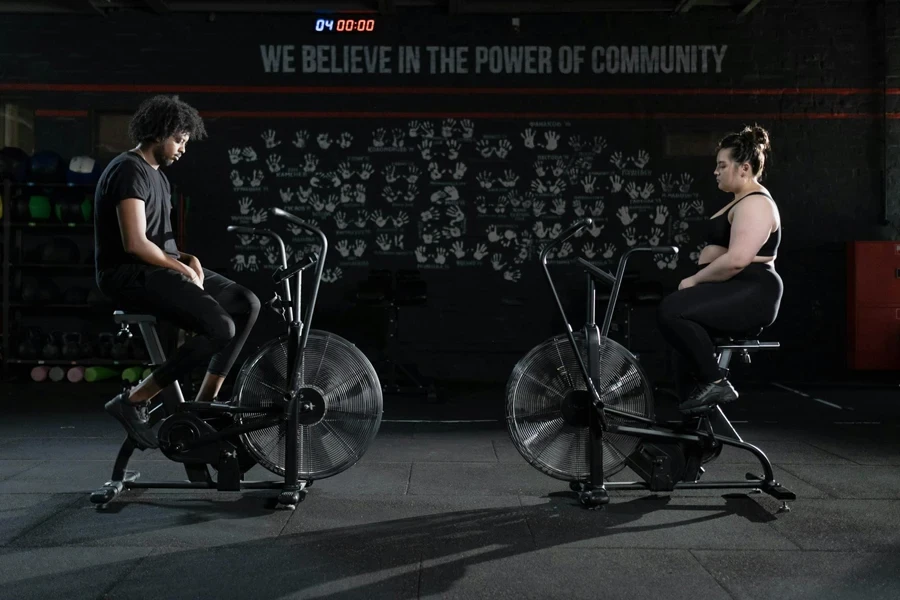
<point>220,315</point>
<point>689,319</point>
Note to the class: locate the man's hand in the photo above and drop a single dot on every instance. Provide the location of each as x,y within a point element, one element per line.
<point>193,264</point>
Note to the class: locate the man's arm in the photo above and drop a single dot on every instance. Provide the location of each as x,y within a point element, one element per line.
<point>133,227</point>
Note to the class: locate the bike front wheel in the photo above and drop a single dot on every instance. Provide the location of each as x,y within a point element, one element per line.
<point>341,387</point>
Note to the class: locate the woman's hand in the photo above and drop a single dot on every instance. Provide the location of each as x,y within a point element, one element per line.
<point>687,282</point>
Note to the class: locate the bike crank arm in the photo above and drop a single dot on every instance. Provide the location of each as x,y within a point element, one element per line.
<point>254,425</point>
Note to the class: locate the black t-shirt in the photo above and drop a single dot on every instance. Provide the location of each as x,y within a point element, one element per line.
<point>129,176</point>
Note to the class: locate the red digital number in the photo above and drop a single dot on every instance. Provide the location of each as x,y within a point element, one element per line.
<point>351,25</point>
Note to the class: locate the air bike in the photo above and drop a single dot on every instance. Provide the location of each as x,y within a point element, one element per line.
<point>579,408</point>
<point>305,406</point>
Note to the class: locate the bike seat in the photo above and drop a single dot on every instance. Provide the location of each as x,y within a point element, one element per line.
<point>748,340</point>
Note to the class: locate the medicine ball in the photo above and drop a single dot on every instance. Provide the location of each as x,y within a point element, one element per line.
<point>96,298</point>
<point>87,207</point>
<point>40,290</point>
<point>39,207</point>
<point>67,205</point>
<point>48,167</point>
<point>14,164</point>
<point>27,288</point>
<point>18,207</point>
<point>83,170</point>
<point>60,250</point>
<point>75,296</point>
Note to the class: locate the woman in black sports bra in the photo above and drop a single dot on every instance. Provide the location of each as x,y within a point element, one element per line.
<point>736,290</point>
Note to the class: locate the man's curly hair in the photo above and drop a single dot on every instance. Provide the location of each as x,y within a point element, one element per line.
<point>162,116</point>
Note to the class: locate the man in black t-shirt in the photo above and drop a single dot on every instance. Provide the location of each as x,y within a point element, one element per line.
<point>140,268</point>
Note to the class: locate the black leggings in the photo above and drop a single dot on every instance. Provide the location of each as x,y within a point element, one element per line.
<point>220,315</point>
<point>688,319</point>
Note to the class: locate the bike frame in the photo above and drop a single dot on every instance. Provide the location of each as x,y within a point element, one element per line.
<point>298,333</point>
<point>653,431</point>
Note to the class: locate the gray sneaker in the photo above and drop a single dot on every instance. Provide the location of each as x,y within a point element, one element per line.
<point>134,418</point>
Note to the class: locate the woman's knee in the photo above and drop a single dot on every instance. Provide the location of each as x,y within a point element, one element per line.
<point>221,330</point>
<point>668,310</point>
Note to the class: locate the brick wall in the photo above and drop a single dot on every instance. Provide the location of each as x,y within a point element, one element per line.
<point>828,170</point>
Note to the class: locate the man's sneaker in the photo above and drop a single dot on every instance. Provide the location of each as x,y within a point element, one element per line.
<point>134,418</point>
<point>706,396</point>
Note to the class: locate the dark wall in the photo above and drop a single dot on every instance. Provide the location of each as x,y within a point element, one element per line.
<point>378,164</point>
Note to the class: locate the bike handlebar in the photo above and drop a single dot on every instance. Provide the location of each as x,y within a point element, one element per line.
<point>311,306</point>
<point>565,235</point>
<point>262,233</point>
<point>300,223</point>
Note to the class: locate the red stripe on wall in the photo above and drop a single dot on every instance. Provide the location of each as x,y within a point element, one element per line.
<point>438,91</point>
<point>47,112</point>
<point>237,114</point>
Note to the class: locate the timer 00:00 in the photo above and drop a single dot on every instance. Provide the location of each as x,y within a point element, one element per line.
<point>345,25</point>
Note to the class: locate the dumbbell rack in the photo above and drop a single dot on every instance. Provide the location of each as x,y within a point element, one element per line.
<point>13,232</point>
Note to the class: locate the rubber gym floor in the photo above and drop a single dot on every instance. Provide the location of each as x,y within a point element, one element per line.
<point>451,510</point>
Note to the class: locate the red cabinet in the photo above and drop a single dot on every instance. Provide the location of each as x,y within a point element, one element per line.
<point>873,305</point>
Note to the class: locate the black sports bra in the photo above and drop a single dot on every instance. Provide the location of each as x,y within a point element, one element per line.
<point>720,231</point>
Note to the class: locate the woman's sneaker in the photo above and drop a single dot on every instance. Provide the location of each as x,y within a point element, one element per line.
<point>707,396</point>
<point>135,419</point>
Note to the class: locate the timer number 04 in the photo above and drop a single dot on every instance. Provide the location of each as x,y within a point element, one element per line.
<point>345,25</point>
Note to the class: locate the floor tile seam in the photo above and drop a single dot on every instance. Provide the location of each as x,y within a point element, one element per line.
<point>25,470</point>
<point>537,547</point>
<point>76,497</point>
<point>82,546</point>
<point>821,449</point>
<point>805,551</point>
<point>125,575</point>
<point>721,585</point>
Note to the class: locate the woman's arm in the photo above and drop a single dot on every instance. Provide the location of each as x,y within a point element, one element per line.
<point>710,253</point>
<point>753,221</point>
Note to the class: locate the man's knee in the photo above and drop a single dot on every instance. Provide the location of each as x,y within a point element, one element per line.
<point>253,303</point>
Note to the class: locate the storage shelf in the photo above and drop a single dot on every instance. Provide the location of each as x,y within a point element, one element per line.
<point>51,266</point>
<point>38,184</point>
<point>50,225</point>
<point>87,362</point>
<point>103,307</point>
<point>21,230</point>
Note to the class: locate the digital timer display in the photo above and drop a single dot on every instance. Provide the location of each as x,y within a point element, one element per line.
<point>345,25</point>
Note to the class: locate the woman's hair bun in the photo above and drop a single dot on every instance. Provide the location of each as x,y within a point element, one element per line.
<point>759,136</point>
